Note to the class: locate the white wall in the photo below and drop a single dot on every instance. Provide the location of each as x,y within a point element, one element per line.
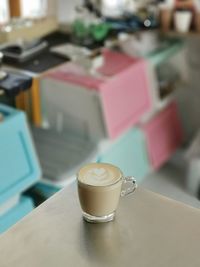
<point>34,9</point>
<point>66,8</point>
<point>52,7</point>
<point>4,11</point>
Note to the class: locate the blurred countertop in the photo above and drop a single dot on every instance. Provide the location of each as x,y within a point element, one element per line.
<point>149,231</point>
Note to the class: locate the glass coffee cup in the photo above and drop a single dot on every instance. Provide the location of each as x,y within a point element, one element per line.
<point>100,186</point>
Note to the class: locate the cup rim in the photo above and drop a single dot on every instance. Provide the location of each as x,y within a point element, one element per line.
<point>100,186</point>
<point>183,11</point>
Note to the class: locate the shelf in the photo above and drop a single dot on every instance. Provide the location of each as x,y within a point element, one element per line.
<point>39,29</point>
<point>181,35</point>
<point>167,47</point>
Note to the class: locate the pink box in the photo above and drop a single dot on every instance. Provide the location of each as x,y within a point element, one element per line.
<point>120,89</point>
<point>163,134</point>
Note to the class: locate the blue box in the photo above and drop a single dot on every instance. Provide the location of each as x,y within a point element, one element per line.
<point>16,213</point>
<point>19,166</point>
<point>130,154</point>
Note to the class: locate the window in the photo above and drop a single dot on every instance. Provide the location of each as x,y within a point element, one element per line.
<point>34,9</point>
<point>4,11</point>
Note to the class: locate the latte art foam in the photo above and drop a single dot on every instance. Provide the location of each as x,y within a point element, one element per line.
<point>99,174</point>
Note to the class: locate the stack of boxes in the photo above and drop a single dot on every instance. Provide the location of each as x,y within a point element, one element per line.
<point>116,107</point>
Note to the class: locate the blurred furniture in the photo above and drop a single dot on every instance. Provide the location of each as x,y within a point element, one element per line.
<point>148,146</point>
<point>14,83</point>
<point>167,63</point>
<point>129,153</point>
<point>191,159</point>
<point>146,232</point>
<point>125,122</point>
<point>108,101</point>
<point>163,134</point>
<point>62,153</point>
<point>169,74</point>
<point>19,165</point>
<point>106,109</point>
<point>36,68</point>
<point>85,113</point>
<point>21,51</point>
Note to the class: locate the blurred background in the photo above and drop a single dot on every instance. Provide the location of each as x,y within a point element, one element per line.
<point>112,81</point>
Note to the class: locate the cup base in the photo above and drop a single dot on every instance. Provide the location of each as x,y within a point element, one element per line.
<point>95,219</point>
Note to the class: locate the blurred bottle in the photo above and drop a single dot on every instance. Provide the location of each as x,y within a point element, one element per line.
<point>166,12</point>
<point>182,20</point>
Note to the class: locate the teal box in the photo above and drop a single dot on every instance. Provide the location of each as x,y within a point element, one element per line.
<point>16,213</point>
<point>129,153</point>
<point>19,166</point>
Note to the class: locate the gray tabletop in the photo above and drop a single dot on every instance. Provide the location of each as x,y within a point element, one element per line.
<point>149,231</point>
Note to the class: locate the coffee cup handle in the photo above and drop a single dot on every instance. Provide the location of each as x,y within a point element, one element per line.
<point>126,190</point>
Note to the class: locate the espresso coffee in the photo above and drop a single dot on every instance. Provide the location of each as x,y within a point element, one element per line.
<point>99,187</point>
<point>99,174</point>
